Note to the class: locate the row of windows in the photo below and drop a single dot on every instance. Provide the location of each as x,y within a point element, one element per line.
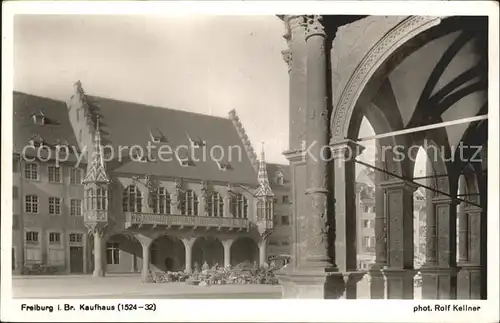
<point>32,172</point>
<point>160,202</point>
<point>32,205</point>
<point>54,237</point>
<point>368,209</point>
<point>96,199</point>
<point>368,223</point>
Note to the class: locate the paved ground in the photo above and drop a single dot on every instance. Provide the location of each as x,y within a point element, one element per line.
<point>129,286</point>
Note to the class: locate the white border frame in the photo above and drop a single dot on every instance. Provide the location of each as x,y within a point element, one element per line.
<point>233,310</point>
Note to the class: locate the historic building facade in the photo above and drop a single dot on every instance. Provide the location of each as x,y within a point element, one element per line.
<point>112,205</point>
<point>366,214</point>
<point>404,74</point>
<point>279,244</point>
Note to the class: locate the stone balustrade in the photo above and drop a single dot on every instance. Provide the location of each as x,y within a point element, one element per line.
<point>140,219</point>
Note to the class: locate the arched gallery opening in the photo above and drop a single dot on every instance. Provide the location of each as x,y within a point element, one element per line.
<point>244,250</point>
<point>123,254</point>
<point>209,250</point>
<point>421,123</point>
<point>167,253</point>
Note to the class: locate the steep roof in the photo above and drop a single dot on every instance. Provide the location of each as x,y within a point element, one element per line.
<point>126,124</point>
<point>56,130</point>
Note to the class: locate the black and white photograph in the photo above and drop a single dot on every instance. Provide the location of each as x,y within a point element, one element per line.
<point>177,164</point>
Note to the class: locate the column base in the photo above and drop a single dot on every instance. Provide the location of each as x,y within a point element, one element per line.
<point>98,273</point>
<point>316,284</point>
<point>377,282</point>
<point>438,283</point>
<point>399,283</point>
<point>145,278</point>
<point>469,282</point>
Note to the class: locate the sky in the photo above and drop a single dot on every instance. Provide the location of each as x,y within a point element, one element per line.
<point>204,64</point>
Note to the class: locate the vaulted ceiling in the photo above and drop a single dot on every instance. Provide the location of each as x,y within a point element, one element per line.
<point>446,79</point>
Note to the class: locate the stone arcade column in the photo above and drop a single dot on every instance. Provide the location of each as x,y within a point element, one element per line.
<point>439,271</point>
<point>145,243</point>
<point>98,251</point>
<point>469,277</point>
<point>377,280</point>
<point>345,253</point>
<point>263,252</point>
<point>227,251</point>
<point>399,214</point>
<point>188,246</point>
<point>311,261</point>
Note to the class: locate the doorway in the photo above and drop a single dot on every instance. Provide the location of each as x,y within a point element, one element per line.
<point>76,259</point>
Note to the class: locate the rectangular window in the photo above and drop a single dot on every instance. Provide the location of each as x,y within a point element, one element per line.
<point>76,176</point>
<point>54,174</point>
<point>15,165</point>
<point>366,209</point>
<point>366,242</point>
<point>54,238</point>
<point>372,242</point>
<point>285,220</point>
<point>55,257</point>
<point>32,236</point>
<point>285,199</point>
<point>33,255</point>
<point>15,192</point>
<point>31,171</point>
<point>366,223</point>
<point>54,205</point>
<point>31,205</point>
<point>76,207</point>
<point>75,237</point>
<point>275,200</point>
<point>112,253</point>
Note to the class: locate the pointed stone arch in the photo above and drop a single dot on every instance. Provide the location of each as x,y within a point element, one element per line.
<point>372,64</point>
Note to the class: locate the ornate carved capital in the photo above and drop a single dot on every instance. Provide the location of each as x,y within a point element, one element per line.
<point>314,26</point>
<point>345,150</point>
<point>291,23</point>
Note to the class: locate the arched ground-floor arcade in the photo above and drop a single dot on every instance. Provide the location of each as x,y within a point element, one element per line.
<point>162,251</point>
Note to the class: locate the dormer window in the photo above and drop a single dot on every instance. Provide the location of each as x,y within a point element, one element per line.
<point>39,118</point>
<point>37,141</point>
<point>157,137</point>
<point>184,161</point>
<point>222,165</point>
<point>145,159</point>
<point>62,143</point>
<point>196,143</point>
<point>138,157</point>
